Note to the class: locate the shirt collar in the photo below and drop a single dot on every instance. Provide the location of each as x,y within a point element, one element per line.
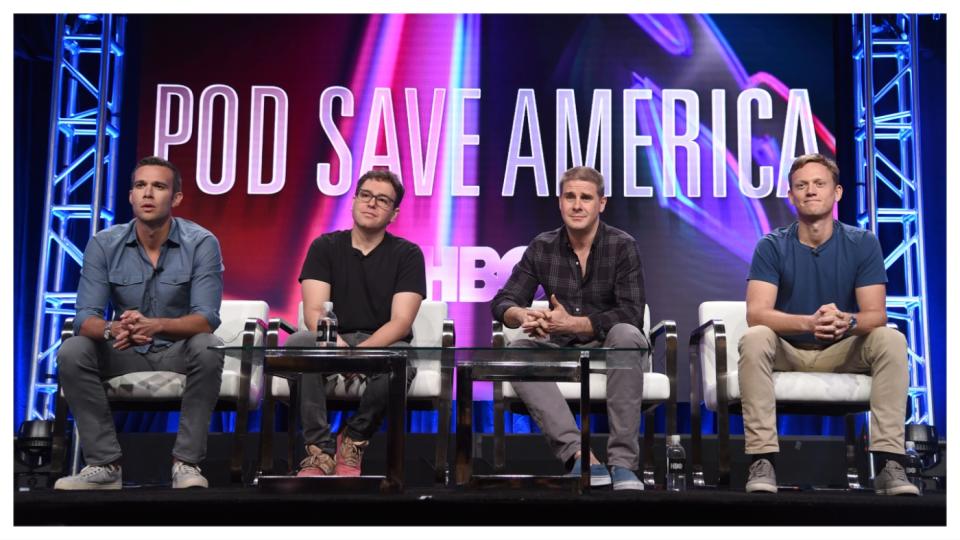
<point>173,237</point>
<point>597,238</point>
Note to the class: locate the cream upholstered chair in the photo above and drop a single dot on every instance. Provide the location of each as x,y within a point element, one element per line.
<point>658,388</point>
<point>431,388</point>
<point>243,323</point>
<point>714,351</point>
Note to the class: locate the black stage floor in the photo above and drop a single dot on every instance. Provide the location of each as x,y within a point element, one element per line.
<point>803,462</point>
<point>436,506</point>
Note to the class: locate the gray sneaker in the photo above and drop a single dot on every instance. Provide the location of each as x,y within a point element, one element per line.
<point>892,480</point>
<point>762,477</point>
<point>93,477</point>
<point>187,475</point>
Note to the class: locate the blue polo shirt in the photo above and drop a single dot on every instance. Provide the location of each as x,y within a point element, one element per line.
<point>807,278</point>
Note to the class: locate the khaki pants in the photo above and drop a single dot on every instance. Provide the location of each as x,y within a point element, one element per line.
<point>882,353</point>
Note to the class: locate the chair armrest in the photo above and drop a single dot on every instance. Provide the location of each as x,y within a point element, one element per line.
<point>274,327</point>
<point>67,331</point>
<point>497,339</point>
<point>668,329</point>
<point>720,350</point>
<point>449,335</point>
<point>250,328</point>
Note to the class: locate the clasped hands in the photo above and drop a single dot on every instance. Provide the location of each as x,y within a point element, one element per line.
<point>829,323</point>
<point>133,328</point>
<point>540,323</point>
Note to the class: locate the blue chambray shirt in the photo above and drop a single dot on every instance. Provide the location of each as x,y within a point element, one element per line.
<point>188,278</point>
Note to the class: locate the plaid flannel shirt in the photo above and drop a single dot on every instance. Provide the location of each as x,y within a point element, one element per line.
<point>610,292</point>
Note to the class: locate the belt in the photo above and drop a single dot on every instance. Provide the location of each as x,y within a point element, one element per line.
<point>811,346</point>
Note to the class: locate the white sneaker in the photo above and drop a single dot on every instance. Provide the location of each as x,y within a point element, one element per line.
<point>186,475</point>
<point>93,477</point>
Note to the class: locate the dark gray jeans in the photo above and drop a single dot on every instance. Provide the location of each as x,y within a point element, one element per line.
<point>624,392</point>
<point>313,398</point>
<point>84,364</point>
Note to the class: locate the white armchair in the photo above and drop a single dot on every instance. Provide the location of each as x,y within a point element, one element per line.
<point>431,388</point>
<point>658,388</point>
<point>716,344</point>
<point>243,322</point>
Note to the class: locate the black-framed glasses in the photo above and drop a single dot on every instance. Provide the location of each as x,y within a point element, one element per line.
<point>383,201</point>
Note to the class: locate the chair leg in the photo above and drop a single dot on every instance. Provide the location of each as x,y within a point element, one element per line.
<point>499,435</point>
<point>649,466</point>
<point>441,469</point>
<point>239,438</point>
<point>293,418</point>
<point>266,428</point>
<point>723,447</point>
<point>58,452</point>
<point>853,473</point>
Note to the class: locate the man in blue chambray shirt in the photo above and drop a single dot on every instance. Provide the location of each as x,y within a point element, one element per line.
<point>163,277</point>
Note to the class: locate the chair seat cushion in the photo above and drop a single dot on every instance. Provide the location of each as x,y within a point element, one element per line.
<point>656,387</point>
<point>164,385</point>
<point>804,387</point>
<point>426,384</point>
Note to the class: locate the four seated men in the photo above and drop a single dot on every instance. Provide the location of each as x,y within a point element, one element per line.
<point>815,302</point>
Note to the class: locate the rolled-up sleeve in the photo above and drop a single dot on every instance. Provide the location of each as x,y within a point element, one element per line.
<point>94,289</point>
<point>628,290</point>
<point>520,288</point>
<point>206,281</point>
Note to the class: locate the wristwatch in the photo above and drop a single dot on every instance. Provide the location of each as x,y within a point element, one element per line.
<point>853,324</point>
<point>107,333</point>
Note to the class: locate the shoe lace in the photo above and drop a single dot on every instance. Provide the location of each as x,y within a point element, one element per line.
<point>187,468</point>
<point>760,467</point>
<point>93,470</point>
<point>315,461</point>
<point>896,472</point>
<point>351,451</point>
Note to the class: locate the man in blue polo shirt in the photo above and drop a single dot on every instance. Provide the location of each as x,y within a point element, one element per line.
<point>816,301</point>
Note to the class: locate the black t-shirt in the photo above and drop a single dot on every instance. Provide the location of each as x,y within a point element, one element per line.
<point>362,286</point>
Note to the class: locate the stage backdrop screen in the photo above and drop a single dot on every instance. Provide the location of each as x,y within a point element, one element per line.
<point>692,119</point>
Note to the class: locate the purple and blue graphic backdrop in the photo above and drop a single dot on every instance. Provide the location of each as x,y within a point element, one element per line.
<point>272,118</point>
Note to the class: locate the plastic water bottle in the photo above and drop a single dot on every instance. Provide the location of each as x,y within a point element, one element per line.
<point>676,465</point>
<point>914,466</point>
<point>327,327</point>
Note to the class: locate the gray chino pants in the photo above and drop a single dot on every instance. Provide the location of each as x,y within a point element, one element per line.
<point>624,392</point>
<point>84,364</point>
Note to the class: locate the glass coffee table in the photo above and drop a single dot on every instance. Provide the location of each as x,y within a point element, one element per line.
<point>290,363</point>
<point>472,364</point>
<point>547,364</point>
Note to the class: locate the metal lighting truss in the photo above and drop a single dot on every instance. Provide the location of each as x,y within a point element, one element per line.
<point>81,173</point>
<point>889,194</point>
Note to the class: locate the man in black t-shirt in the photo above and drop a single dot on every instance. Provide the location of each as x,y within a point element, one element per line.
<point>376,282</point>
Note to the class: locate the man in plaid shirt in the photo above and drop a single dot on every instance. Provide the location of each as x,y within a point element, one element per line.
<point>592,274</point>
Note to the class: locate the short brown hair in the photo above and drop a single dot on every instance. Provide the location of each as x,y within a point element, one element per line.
<point>806,159</point>
<point>384,176</point>
<point>160,162</point>
<point>586,174</point>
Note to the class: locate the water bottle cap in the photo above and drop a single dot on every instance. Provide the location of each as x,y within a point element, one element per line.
<point>327,307</point>
<point>675,439</point>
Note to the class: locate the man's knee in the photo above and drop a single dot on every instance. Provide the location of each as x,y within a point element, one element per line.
<point>74,353</point>
<point>626,336</point>
<point>302,338</point>
<point>198,348</point>
<point>758,343</point>
<point>889,340</point>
